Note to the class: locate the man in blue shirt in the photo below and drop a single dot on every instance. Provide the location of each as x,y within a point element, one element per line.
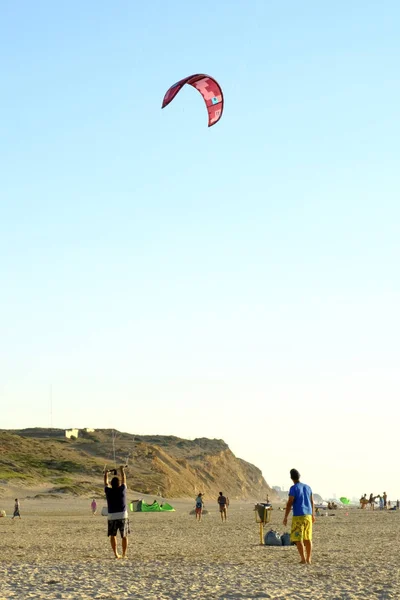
<point>302,502</point>
<point>117,511</point>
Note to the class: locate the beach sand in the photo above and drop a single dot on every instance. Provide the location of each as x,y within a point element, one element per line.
<point>58,550</point>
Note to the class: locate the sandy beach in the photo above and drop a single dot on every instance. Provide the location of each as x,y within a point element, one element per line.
<point>58,550</point>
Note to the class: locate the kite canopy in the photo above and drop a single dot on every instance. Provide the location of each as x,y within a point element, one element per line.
<point>141,506</point>
<point>208,87</point>
<point>344,500</point>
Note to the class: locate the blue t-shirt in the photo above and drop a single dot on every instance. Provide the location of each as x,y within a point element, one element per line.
<point>116,499</point>
<point>302,499</point>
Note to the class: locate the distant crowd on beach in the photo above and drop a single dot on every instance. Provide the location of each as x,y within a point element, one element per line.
<point>383,502</point>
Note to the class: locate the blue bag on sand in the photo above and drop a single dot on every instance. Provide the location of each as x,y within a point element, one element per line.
<point>286,539</point>
<point>272,538</point>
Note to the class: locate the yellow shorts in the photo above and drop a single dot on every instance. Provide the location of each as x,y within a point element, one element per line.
<point>301,529</point>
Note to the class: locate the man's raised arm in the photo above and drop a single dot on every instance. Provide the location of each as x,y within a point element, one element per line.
<point>123,475</point>
<point>105,476</point>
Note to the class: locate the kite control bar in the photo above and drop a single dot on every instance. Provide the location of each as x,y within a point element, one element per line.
<point>115,471</point>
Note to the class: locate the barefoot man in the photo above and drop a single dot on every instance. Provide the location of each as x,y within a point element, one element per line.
<point>302,502</point>
<point>117,512</point>
<point>223,504</point>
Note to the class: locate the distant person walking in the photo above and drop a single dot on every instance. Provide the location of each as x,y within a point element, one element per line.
<point>302,502</point>
<point>117,511</point>
<point>16,512</point>
<point>93,506</point>
<point>384,496</point>
<point>223,503</point>
<point>371,501</point>
<point>199,506</point>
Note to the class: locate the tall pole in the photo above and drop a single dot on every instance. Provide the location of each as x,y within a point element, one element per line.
<point>113,440</point>
<point>51,406</point>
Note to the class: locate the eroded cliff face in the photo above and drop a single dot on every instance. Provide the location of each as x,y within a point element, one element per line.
<point>159,465</point>
<point>185,467</point>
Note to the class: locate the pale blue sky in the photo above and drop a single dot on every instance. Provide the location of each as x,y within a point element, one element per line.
<point>169,278</point>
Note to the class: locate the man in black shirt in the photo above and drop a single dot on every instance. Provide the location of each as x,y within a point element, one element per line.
<point>223,503</point>
<point>117,511</point>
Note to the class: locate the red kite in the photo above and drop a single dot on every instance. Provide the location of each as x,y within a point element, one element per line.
<point>208,88</point>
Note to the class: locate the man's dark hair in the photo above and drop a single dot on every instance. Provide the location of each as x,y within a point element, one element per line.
<point>115,482</point>
<point>294,475</point>
<point>220,493</point>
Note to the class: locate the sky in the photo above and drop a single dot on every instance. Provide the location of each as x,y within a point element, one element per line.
<point>240,282</point>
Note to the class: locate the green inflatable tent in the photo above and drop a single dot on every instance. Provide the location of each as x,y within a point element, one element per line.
<point>141,506</point>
